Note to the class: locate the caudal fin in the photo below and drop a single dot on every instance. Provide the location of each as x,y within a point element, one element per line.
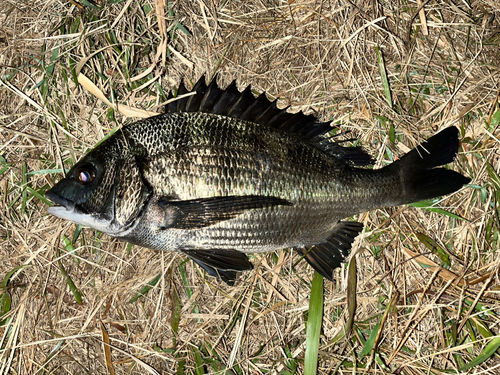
<point>421,180</point>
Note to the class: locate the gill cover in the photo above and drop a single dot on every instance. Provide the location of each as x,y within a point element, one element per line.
<point>132,193</point>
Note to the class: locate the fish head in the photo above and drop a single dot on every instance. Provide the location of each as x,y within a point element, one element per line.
<point>103,191</point>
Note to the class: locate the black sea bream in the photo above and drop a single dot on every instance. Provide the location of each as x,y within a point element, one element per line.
<point>222,173</point>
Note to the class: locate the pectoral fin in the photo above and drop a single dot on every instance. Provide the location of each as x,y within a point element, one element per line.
<point>203,212</point>
<point>327,256</point>
<point>223,264</point>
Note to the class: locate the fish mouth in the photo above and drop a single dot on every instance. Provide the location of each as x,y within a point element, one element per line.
<point>66,209</point>
<point>69,210</point>
<point>60,202</point>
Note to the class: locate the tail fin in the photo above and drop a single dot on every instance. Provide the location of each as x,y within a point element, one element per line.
<point>421,180</point>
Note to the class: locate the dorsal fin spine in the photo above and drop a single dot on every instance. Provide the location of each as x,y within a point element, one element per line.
<point>181,103</point>
<point>276,118</point>
<point>230,102</point>
<point>200,87</point>
<point>211,97</point>
<point>289,122</point>
<point>272,105</point>
<point>225,98</point>
<point>244,94</point>
<point>258,99</point>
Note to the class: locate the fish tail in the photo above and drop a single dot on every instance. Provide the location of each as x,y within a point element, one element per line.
<point>420,178</point>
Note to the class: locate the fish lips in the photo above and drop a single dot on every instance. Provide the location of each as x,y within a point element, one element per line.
<point>60,201</point>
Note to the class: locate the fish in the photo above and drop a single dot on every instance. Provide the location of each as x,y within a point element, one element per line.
<point>222,173</point>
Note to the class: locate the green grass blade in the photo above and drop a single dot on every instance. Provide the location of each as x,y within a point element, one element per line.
<point>481,327</point>
<point>51,355</point>
<point>200,370</point>
<point>70,248</point>
<point>48,171</point>
<point>351,295</point>
<point>180,369</point>
<point>435,248</point>
<point>487,352</point>
<point>495,119</point>
<point>89,4</point>
<point>181,27</point>
<point>39,196</point>
<point>5,298</point>
<point>314,322</point>
<point>370,342</point>
<point>77,233</point>
<point>5,305</point>
<point>374,338</point>
<point>392,133</point>
<point>189,291</point>
<point>71,284</point>
<point>425,205</point>
<point>381,363</point>
<point>176,308</point>
<point>7,277</point>
<point>5,166</point>
<point>25,192</point>
<point>4,169</point>
<point>146,288</point>
<point>383,76</point>
<point>112,131</point>
<point>493,175</point>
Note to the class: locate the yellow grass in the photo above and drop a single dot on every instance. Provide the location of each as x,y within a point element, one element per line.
<point>441,61</point>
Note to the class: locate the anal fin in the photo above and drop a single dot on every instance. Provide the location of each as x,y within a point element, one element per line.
<point>222,264</point>
<point>327,256</point>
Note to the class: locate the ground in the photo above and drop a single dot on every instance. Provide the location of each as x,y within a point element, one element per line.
<point>426,282</point>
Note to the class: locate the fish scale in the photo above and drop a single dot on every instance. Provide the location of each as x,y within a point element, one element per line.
<point>222,173</point>
<point>190,175</point>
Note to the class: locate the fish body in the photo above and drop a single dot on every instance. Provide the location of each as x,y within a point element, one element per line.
<point>222,173</point>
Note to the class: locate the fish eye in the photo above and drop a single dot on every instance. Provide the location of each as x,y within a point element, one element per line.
<point>85,175</point>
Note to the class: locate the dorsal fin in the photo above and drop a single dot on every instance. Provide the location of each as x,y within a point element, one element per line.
<point>245,106</point>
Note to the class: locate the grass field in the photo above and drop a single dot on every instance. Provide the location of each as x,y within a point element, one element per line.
<point>422,296</point>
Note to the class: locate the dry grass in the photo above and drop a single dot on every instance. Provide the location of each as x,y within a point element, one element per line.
<point>442,65</point>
